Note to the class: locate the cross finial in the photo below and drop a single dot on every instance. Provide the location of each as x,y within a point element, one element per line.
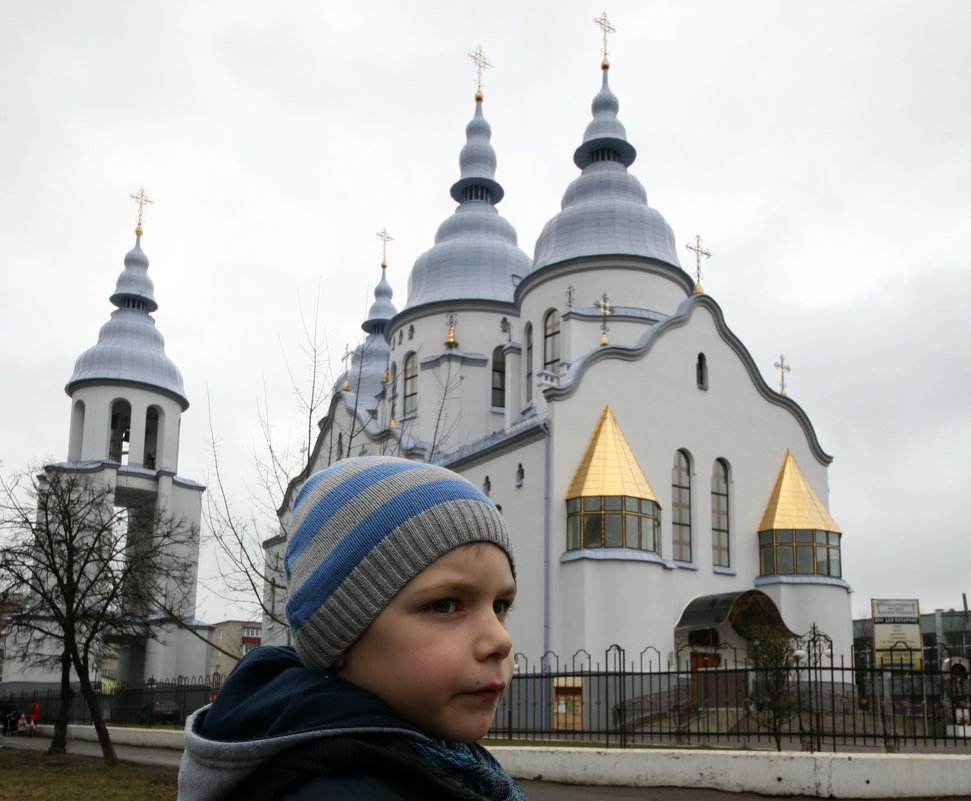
<point>603,304</point>
<point>607,29</point>
<point>700,252</point>
<point>142,200</point>
<point>481,63</point>
<point>385,237</point>
<point>783,368</point>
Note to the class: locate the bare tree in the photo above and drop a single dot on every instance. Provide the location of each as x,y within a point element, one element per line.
<point>244,576</point>
<point>84,573</point>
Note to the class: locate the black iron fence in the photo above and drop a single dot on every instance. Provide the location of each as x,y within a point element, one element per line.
<point>161,702</point>
<point>812,703</point>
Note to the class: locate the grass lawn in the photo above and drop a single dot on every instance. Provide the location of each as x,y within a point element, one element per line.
<point>33,776</point>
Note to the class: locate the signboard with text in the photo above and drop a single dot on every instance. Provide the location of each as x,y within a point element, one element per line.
<point>897,640</point>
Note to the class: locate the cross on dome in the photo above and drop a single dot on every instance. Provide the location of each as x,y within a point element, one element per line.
<point>385,237</point>
<point>481,63</point>
<point>607,29</point>
<point>142,200</point>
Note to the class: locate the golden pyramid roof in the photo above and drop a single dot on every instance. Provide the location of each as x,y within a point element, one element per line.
<point>608,466</point>
<point>793,504</point>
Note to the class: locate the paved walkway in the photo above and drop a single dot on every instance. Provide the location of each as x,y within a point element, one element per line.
<point>535,791</point>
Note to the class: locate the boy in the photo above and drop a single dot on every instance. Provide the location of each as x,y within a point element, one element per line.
<point>399,577</point>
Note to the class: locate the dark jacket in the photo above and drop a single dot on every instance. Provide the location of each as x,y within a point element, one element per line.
<point>278,730</point>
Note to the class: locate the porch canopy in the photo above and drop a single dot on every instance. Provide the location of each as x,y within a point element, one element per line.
<point>750,612</point>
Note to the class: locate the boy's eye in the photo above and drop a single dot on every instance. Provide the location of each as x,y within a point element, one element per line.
<point>443,606</point>
<point>501,608</point>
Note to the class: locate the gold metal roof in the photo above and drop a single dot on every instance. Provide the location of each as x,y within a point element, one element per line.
<point>608,466</point>
<point>793,504</point>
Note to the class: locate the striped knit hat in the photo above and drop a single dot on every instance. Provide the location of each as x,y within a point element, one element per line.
<point>362,529</point>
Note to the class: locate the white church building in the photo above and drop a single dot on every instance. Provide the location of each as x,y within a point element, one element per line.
<point>659,493</point>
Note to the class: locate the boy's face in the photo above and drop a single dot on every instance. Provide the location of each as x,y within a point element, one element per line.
<point>439,653</point>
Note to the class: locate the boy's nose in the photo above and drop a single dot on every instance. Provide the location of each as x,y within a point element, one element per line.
<point>493,640</point>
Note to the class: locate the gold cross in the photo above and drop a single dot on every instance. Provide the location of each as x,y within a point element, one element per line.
<point>385,237</point>
<point>700,252</point>
<point>607,29</point>
<point>603,304</point>
<point>783,368</point>
<point>481,63</point>
<point>142,200</point>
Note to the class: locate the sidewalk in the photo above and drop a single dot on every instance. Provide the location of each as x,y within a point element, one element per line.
<point>535,790</point>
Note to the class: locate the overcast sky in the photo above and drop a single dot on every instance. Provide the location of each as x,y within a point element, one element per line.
<point>820,148</point>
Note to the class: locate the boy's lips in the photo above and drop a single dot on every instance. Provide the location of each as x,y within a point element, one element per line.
<point>491,692</point>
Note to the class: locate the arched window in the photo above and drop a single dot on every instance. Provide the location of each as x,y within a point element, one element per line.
<point>410,395</point>
<point>77,432</point>
<point>486,486</point>
<point>720,554</point>
<point>701,371</point>
<point>153,429</point>
<point>528,336</point>
<point>681,506</point>
<point>393,380</point>
<point>551,341</point>
<point>499,378</point>
<point>120,434</point>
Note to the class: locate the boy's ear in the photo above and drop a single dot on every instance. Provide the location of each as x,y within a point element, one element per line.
<point>336,667</point>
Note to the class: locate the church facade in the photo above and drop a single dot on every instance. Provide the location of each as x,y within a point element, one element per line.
<point>659,493</point>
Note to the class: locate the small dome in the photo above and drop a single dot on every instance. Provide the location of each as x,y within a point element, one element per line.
<point>382,309</point>
<point>130,348</point>
<point>604,211</point>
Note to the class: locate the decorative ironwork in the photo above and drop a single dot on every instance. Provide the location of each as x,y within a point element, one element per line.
<point>603,305</point>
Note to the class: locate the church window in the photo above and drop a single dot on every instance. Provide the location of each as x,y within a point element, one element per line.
<point>720,554</point>
<point>393,380</point>
<point>120,434</point>
<point>77,432</point>
<point>701,371</point>
<point>612,521</point>
<point>410,399</point>
<point>340,446</point>
<point>681,506</point>
<point>498,378</point>
<point>520,475</point>
<point>800,552</point>
<point>411,332</point>
<point>153,427</point>
<point>486,486</point>
<point>528,336</point>
<point>551,341</point>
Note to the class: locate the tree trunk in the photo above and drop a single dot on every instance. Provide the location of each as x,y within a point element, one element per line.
<point>59,741</point>
<point>104,739</point>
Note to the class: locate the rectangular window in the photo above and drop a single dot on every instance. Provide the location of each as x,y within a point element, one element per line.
<point>613,531</point>
<point>591,531</point>
<point>573,533</point>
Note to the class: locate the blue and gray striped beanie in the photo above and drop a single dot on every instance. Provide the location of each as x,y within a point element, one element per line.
<point>362,529</point>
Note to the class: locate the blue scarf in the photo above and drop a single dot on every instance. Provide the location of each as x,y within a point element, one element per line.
<point>475,768</point>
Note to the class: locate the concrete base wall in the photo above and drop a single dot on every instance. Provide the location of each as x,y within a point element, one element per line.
<point>773,773</point>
